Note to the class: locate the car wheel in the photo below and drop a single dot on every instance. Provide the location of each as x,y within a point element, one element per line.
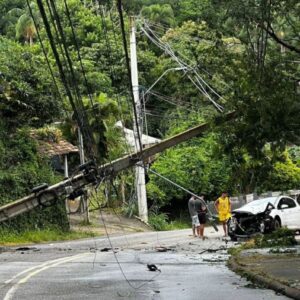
<point>277,223</point>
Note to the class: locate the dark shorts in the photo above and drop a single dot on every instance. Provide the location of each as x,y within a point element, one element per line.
<point>202,218</point>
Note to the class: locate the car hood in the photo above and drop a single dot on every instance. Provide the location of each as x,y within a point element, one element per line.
<point>256,206</point>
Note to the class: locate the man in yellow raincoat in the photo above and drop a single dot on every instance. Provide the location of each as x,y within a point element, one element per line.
<point>223,207</point>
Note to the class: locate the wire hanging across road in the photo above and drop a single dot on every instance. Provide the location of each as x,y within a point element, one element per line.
<point>184,189</point>
<point>115,253</point>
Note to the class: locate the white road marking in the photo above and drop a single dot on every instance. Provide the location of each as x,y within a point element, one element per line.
<point>32,268</point>
<point>40,268</point>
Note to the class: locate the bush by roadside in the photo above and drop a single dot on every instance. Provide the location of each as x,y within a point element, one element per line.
<point>12,238</point>
<point>161,222</point>
<point>282,237</point>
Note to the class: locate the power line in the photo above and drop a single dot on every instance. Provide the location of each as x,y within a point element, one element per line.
<point>78,52</point>
<point>129,106</point>
<point>57,35</point>
<point>163,117</point>
<point>199,82</point>
<point>86,130</point>
<point>116,257</point>
<point>163,98</point>
<point>120,10</point>
<point>157,25</point>
<point>112,71</point>
<point>52,8</point>
<point>79,114</point>
<point>43,48</point>
<point>184,189</point>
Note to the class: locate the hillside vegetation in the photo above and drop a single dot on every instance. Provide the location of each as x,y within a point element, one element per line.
<point>244,56</point>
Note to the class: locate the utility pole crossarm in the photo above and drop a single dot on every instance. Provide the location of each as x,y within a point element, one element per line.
<point>25,204</point>
<point>63,188</point>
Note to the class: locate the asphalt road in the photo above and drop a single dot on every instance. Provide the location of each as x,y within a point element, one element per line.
<point>89,269</point>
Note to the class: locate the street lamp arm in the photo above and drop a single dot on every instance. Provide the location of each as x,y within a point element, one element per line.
<point>161,76</point>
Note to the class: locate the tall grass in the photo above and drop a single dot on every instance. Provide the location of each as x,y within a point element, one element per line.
<point>12,238</point>
<point>161,222</point>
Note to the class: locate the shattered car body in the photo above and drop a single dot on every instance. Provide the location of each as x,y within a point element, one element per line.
<point>264,215</point>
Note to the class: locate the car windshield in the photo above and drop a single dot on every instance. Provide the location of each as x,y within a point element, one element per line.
<point>259,202</point>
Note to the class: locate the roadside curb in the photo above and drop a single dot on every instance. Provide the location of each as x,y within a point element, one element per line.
<point>3,249</point>
<point>263,280</point>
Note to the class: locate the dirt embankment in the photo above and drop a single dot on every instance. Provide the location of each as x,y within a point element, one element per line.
<point>114,223</point>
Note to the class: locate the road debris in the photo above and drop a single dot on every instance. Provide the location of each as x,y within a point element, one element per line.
<point>153,268</point>
<point>283,250</point>
<point>213,250</point>
<point>216,259</point>
<point>163,249</point>
<point>27,249</point>
<point>106,249</point>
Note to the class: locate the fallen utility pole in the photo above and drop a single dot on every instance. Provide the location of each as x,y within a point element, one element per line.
<point>69,188</point>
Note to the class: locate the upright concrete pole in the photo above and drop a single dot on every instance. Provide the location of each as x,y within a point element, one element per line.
<point>84,198</point>
<point>66,174</point>
<point>139,171</point>
<point>66,167</point>
<point>80,145</point>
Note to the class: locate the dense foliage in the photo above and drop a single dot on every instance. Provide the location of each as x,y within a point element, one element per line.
<point>243,54</point>
<point>21,168</point>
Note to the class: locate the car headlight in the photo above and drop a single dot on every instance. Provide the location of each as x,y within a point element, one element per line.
<point>233,223</point>
<point>262,227</point>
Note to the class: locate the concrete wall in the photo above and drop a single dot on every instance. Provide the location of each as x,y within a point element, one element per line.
<point>238,201</point>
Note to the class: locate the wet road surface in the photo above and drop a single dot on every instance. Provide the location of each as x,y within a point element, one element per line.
<point>89,269</point>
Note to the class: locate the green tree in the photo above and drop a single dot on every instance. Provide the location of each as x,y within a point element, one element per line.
<point>28,95</point>
<point>197,165</point>
<point>160,14</point>
<point>10,11</point>
<point>21,168</point>
<point>25,27</point>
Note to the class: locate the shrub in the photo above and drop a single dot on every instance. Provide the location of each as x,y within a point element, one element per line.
<point>282,237</point>
<point>158,221</point>
<point>21,168</point>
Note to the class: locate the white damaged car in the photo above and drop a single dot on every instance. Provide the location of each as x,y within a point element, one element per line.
<point>265,215</point>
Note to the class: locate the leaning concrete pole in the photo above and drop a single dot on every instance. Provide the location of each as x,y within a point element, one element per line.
<point>139,170</point>
<point>64,188</point>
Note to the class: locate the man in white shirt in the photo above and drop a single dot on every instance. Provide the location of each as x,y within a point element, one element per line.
<point>194,216</point>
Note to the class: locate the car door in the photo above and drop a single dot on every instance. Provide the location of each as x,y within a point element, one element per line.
<point>288,210</point>
<point>297,214</point>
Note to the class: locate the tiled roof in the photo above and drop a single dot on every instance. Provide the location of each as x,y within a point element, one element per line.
<point>50,148</point>
<point>59,148</point>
